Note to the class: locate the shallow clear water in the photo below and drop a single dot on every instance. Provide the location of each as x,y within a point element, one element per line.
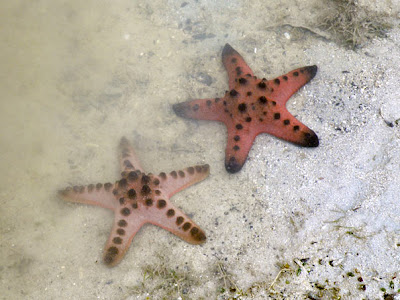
<point>76,76</point>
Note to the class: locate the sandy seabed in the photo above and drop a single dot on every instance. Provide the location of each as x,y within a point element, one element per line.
<point>295,223</point>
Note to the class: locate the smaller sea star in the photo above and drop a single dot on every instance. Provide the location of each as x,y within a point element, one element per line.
<point>139,198</point>
<point>252,106</point>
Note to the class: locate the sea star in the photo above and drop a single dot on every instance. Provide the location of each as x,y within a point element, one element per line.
<point>252,106</point>
<point>139,198</point>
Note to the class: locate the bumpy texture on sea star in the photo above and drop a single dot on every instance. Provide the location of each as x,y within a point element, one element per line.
<point>252,106</point>
<point>139,198</point>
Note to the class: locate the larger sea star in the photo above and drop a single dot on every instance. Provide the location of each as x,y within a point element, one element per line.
<point>252,106</point>
<point>140,198</point>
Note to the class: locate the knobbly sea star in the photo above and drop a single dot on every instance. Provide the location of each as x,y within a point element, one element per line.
<point>139,198</point>
<point>252,106</point>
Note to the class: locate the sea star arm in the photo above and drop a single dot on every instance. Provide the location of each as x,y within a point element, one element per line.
<point>99,194</point>
<point>234,65</point>
<point>162,214</point>
<point>285,126</point>
<point>238,147</point>
<point>128,159</point>
<point>283,87</point>
<point>122,233</point>
<point>175,221</point>
<point>178,180</point>
<point>201,109</point>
